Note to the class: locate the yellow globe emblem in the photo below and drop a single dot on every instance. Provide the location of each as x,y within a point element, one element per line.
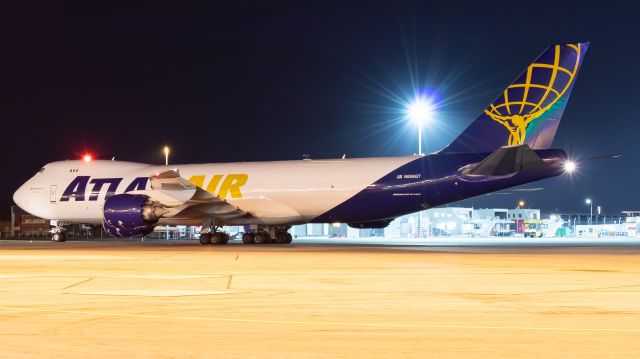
<point>532,94</point>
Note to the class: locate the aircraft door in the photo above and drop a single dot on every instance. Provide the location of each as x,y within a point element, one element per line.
<point>52,193</point>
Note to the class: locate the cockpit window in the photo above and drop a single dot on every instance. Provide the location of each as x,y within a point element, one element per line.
<point>41,170</point>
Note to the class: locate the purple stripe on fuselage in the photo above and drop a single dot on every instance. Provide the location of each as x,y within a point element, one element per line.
<point>430,181</point>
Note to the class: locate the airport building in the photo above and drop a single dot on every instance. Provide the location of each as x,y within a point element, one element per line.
<point>462,221</point>
<point>26,225</point>
<point>626,225</point>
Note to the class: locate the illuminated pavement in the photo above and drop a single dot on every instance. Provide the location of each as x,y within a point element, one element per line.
<point>428,243</point>
<point>318,299</point>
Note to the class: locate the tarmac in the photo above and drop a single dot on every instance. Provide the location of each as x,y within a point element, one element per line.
<point>320,298</point>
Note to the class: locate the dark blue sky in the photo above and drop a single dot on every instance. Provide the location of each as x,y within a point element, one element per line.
<point>274,81</point>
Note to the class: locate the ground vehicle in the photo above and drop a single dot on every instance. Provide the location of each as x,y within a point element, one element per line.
<point>534,228</point>
<point>438,232</point>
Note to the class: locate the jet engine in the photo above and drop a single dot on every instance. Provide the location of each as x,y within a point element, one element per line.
<point>130,215</point>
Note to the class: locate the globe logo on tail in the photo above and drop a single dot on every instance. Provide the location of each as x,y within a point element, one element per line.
<point>537,90</point>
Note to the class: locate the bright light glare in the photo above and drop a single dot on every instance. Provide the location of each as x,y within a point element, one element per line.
<point>166,155</point>
<point>420,110</point>
<point>587,201</point>
<point>569,166</point>
<point>87,157</point>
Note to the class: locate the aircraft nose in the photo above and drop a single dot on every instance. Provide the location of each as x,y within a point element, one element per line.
<point>21,197</point>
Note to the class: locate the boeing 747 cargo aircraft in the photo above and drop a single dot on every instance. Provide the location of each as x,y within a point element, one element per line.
<point>507,145</point>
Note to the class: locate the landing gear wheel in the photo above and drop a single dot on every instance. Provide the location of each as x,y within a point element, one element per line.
<point>225,238</point>
<point>248,238</point>
<point>281,237</point>
<point>261,238</point>
<point>205,238</point>
<point>217,238</point>
<point>59,237</point>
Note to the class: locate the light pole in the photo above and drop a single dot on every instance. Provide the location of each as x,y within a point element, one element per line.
<point>419,137</point>
<point>620,226</point>
<point>590,203</point>
<point>420,110</point>
<point>166,163</point>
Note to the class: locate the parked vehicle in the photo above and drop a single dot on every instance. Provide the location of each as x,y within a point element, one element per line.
<point>534,228</point>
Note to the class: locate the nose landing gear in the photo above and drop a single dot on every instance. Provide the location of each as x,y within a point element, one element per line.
<point>58,233</point>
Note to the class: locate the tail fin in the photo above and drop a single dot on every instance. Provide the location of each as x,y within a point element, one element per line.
<point>530,109</point>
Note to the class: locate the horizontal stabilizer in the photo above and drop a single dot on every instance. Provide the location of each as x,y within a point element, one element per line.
<point>506,160</point>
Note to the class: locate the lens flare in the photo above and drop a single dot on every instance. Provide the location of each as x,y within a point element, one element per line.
<point>420,110</point>
<point>570,167</point>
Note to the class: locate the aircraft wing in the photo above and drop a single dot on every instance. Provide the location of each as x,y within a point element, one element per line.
<point>176,195</point>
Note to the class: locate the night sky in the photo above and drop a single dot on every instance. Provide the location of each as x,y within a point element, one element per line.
<point>274,81</point>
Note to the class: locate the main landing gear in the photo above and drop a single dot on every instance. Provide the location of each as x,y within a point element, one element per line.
<point>268,234</point>
<point>255,235</point>
<point>213,237</point>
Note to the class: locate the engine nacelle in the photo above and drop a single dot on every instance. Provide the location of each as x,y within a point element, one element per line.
<point>130,215</point>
